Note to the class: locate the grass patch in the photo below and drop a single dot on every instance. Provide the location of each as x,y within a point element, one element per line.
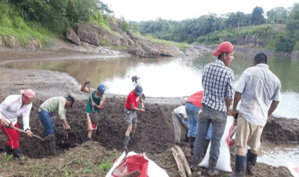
<point>105,165</point>
<point>101,21</point>
<point>11,24</point>
<point>182,46</point>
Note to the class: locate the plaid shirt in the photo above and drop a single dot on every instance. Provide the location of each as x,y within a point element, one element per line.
<point>217,81</point>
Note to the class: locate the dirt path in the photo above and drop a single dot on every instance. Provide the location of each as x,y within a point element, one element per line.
<point>154,133</point>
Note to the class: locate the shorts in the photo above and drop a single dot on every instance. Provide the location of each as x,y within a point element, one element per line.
<point>248,134</point>
<point>131,117</point>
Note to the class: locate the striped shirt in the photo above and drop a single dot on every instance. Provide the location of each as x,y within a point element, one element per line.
<point>217,82</point>
<point>11,108</point>
<point>53,104</point>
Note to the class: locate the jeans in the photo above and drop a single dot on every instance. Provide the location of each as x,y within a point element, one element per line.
<point>218,121</point>
<point>47,122</point>
<point>192,114</point>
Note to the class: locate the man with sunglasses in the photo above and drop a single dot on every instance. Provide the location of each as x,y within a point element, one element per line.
<point>44,112</point>
<point>10,109</point>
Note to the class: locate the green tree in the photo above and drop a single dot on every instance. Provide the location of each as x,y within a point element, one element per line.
<point>257,16</point>
<point>278,15</point>
<point>284,44</point>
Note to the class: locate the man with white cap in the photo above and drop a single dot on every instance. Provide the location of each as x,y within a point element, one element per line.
<point>12,107</point>
<point>217,81</point>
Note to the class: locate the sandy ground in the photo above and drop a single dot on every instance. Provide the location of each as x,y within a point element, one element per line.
<point>154,133</point>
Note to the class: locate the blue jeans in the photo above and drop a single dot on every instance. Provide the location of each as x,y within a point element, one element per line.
<point>218,121</point>
<point>47,122</point>
<point>192,114</point>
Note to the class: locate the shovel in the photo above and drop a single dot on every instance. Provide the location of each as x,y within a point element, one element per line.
<point>20,130</point>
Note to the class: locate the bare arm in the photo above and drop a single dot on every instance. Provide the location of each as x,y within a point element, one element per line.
<point>66,125</point>
<point>136,109</point>
<point>101,105</point>
<point>85,89</point>
<point>237,98</point>
<point>272,107</point>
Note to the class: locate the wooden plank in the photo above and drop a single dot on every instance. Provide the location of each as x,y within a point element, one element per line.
<point>184,161</point>
<point>178,162</point>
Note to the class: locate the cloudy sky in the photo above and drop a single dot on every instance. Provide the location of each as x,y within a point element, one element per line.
<point>143,10</point>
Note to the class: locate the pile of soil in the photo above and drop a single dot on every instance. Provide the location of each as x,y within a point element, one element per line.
<point>154,132</point>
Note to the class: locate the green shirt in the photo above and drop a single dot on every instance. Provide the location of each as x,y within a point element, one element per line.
<point>96,100</point>
<point>53,104</point>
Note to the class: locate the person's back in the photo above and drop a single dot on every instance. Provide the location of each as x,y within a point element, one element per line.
<point>261,88</point>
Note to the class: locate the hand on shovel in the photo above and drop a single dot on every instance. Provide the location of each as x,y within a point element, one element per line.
<point>29,133</point>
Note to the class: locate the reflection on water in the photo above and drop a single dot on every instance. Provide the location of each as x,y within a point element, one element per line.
<point>269,153</point>
<point>170,77</point>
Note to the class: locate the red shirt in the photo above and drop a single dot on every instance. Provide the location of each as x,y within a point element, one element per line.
<point>196,98</point>
<point>132,98</point>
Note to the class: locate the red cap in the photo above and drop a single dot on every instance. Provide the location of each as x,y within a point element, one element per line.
<point>224,47</point>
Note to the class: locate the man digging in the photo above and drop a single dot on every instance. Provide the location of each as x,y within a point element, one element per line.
<point>44,112</point>
<point>131,107</point>
<point>10,109</point>
<point>95,103</point>
<point>259,92</point>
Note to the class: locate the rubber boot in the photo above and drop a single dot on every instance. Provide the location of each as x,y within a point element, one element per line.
<point>126,141</point>
<point>49,137</point>
<point>241,162</point>
<point>194,166</point>
<point>251,161</point>
<point>17,153</point>
<point>212,170</point>
<point>53,147</point>
<point>192,140</point>
<point>8,150</point>
<point>131,137</point>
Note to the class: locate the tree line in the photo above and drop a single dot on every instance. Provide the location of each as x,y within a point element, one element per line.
<point>210,28</point>
<point>57,15</point>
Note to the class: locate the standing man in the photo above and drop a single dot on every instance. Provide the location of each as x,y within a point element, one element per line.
<point>12,107</point>
<point>259,92</point>
<point>96,104</point>
<point>131,107</point>
<point>217,81</point>
<point>193,107</point>
<point>44,112</point>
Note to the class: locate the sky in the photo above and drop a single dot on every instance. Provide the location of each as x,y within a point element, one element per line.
<point>144,10</point>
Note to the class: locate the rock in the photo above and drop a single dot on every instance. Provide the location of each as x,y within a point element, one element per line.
<point>87,34</point>
<point>34,44</point>
<point>109,38</point>
<point>72,36</point>
<point>12,42</point>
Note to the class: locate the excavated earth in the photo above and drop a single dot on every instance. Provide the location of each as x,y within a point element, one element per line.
<point>154,136</point>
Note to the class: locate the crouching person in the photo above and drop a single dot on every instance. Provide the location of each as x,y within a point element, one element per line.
<point>180,123</point>
<point>44,112</point>
<point>12,107</point>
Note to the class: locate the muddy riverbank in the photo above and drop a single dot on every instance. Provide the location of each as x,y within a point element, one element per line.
<point>154,133</point>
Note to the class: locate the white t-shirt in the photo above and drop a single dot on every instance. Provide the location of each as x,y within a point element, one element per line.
<point>259,87</point>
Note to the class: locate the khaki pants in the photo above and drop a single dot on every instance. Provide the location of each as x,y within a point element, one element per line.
<point>248,133</point>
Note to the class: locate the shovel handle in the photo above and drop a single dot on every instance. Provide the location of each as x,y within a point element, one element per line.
<point>90,95</point>
<point>20,130</point>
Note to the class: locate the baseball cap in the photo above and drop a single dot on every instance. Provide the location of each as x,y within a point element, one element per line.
<point>28,93</point>
<point>101,87</point>
<point>138,90</point>
<point>70,98</point>
<point>224,47</point>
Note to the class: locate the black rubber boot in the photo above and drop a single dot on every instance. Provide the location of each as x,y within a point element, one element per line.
<point>17,153</point>
<point>126,141</point>
<point>194,166</point>
<point>186,139</point>
<point>251,161</point>
<point>53,147</point>
<point>192,140</point>
<point>8,150</point>
<point>212,170</point>
<point>241,162</point>
<point>131,137</point>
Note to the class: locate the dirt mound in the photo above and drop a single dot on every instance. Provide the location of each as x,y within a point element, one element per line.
<point>154,132</point>
<point>281,131</point>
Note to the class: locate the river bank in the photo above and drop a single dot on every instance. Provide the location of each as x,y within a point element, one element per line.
<point>154,134</point>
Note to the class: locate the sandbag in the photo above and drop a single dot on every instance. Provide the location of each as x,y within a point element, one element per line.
<point>153,170</point>
<point>223,162</point>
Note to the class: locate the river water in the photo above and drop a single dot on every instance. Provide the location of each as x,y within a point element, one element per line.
<point>176,77</point>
